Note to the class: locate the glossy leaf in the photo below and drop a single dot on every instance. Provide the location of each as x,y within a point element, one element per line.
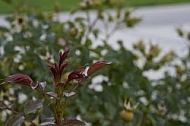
<point>96,66</point>
<point>47,124</point>
<point>21,79</point>
<point>42,85</point>
<point>63,56</point>
<point>52,94</point>
<point>77,74</point>
<point>32,106</point>
<point>15,121</point>
<point>70,94</point>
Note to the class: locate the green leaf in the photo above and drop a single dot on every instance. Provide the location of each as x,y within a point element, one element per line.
<point>15,121</point>
<point>3,29</point>
<point>32,106</point>
<point>93,116</point>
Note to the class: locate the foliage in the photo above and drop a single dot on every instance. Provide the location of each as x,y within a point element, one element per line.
<point>58,98</point>
<point>34,35</point>
<point>8,6</point>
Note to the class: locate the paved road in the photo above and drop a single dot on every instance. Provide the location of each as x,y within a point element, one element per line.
<point>158,26</point>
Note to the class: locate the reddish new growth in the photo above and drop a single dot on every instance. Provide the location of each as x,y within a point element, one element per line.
<point>59,91</point>
<point>21,79</point>
<point>57,69</point>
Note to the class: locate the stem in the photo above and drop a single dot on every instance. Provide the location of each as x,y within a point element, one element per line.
<point>74,89</point>
<point>115,28</point>
<point>141,120</point>
<point>21,114</point>
<point>53,105</point>
<point>57,104</point>
<point>90,25</point>
<point>67,99</point>
<point>13,111</point>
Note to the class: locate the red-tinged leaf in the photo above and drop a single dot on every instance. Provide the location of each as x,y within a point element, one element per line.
<point>57,85</point>
<point>77,74</point>
<point>32,106</point>
<point>74,75</point>
<point>61,67</point>
<point>63,56</point>
<point>96,66</point>
<point>16,120</point>
<point>80,69</point>
<point>55,70</point>
<point>72,122</point>
<point>21,79</point>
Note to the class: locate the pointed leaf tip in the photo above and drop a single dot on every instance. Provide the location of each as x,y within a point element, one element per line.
<point>77,74</point>
<point>21,79</point>
<point>96,66</point>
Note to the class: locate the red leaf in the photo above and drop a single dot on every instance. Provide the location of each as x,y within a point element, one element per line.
<point>54,70</point>
<point>63,56</point>
<point>21,79</point>
<point>57,85</point>
<point>77,74</point>
<point>96,66</point>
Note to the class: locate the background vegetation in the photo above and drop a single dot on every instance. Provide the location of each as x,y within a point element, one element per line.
<point>35,37</point>
<point>46,5</point>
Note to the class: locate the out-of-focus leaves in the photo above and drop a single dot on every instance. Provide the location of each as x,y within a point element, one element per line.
<point>2,105</point>
<point>3,29</point>
<point>8,1</point>
<point>131,22</point>
<point>32,106</point>
<point>15,121</point>
<point>93,116</point>
<point>180,31</point>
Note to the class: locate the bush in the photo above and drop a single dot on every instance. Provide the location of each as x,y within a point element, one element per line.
<point>35,36</point>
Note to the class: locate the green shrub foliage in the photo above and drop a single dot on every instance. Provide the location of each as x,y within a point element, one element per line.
<point>34,37</point>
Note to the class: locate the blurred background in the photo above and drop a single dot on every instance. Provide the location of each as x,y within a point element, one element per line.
<point>147,41</point>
